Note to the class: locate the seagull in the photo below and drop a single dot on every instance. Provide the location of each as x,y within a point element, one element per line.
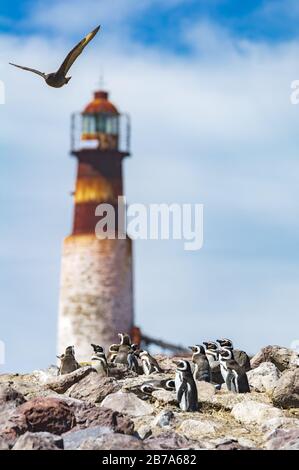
<point>59,78</point>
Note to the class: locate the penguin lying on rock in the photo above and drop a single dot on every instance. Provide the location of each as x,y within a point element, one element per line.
<point>185,387</point>
<point>68,362</point>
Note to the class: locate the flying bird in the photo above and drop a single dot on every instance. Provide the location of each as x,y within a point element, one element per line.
<point>59,78</point>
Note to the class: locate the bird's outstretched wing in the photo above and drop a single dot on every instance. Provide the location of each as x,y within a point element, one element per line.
<point>75,52</point>
<point>28,69</point>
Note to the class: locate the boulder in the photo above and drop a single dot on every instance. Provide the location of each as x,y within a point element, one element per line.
<point>280,423</point>
<point>112,442</point>
<point>38,441</point>
<point>63,382</point>
<point>9,400</point>
<point>169,440</point>
<point>165,397</point>
<point>264,377</point>
<point>39,415</point>
<point>93,388</point>
<point>254,412</point>
<point>282,357</point>
<point>127,403</point>
<point>74,439</point>
<point>286,392</point>
<point>284,439</point>
<point>197,429</point>
<point>104,417</point>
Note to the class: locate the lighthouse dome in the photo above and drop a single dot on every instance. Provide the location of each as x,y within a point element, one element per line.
<point>100,104</point>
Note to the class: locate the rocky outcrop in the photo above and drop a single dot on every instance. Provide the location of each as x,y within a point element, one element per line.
<point>282,358</point>
<point>286,392</point>
<point>82,410</point>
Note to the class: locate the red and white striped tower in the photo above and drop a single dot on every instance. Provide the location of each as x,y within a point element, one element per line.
<point>96,291</point>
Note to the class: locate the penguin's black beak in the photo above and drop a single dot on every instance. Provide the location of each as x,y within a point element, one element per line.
<point>191,347</point>
<point>177,363</point>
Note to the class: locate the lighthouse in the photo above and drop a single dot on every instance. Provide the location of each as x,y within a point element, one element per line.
<point>96,287</point>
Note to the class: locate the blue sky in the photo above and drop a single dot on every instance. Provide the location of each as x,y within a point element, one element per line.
<point>207,84</point>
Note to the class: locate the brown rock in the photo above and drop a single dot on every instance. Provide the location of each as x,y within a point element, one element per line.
<point>286,392</point>
<point>9,394</point>
<point>64,382</point>
<point>105,417</point>
<point>93,388</point>
<point>38,415</point>
<point>282,357</point>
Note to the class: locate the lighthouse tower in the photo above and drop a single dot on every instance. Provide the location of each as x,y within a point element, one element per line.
<point>96,291</point>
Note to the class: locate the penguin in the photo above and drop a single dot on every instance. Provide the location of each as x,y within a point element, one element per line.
<point>185,386</point>
<point>240,356</point>
<point>234,376</point>
<point>151,385</point>
<point>99,361</point>
<point>202,370</point>
<point>133,359</point>
<point>68,362</point>
<point>212,353</point>
<point>123,349</point>
<point>149,363</point>
<point>112,353</point>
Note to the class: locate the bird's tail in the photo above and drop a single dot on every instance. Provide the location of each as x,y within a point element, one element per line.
<point>67,79</point>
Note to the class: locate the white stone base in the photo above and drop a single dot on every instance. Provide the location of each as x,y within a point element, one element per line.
<point>96,294</point>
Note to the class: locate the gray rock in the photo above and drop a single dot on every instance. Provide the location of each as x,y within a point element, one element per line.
<point>205,391</point>
<point>113,442</point>
<point>127,403</point>
<point>286,392</point>
<point>93,388</point>
<point>282,357</point>
<point>165,397</point>
<point>74,439</point>
<point>169,440</point>
<point>38,441</point>
<point>62,383</point>
<point>254,412</point>
<point>280,423</point>
<point>144,431</point>
<point>164,418</point>
<point>264,377</point>
<point>284,439</point>
<point>198,428</point>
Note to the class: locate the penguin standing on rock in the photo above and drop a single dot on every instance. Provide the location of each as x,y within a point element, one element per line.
<point>234,376</point>
<point>149,363</point>
<point>68,362</point>
<point>212,353</point>
<point>98,360</point>
<point>185,386</point>
<point>241,357</point>
<point>112,353</point>
<point>123,349</point>
<point>133,359</point>
<point>202,370</point>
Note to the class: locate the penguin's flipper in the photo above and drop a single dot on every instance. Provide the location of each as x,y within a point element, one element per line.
<point>183,389</point>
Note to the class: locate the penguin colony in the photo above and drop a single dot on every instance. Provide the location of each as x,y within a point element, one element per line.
<point>216,362</point>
